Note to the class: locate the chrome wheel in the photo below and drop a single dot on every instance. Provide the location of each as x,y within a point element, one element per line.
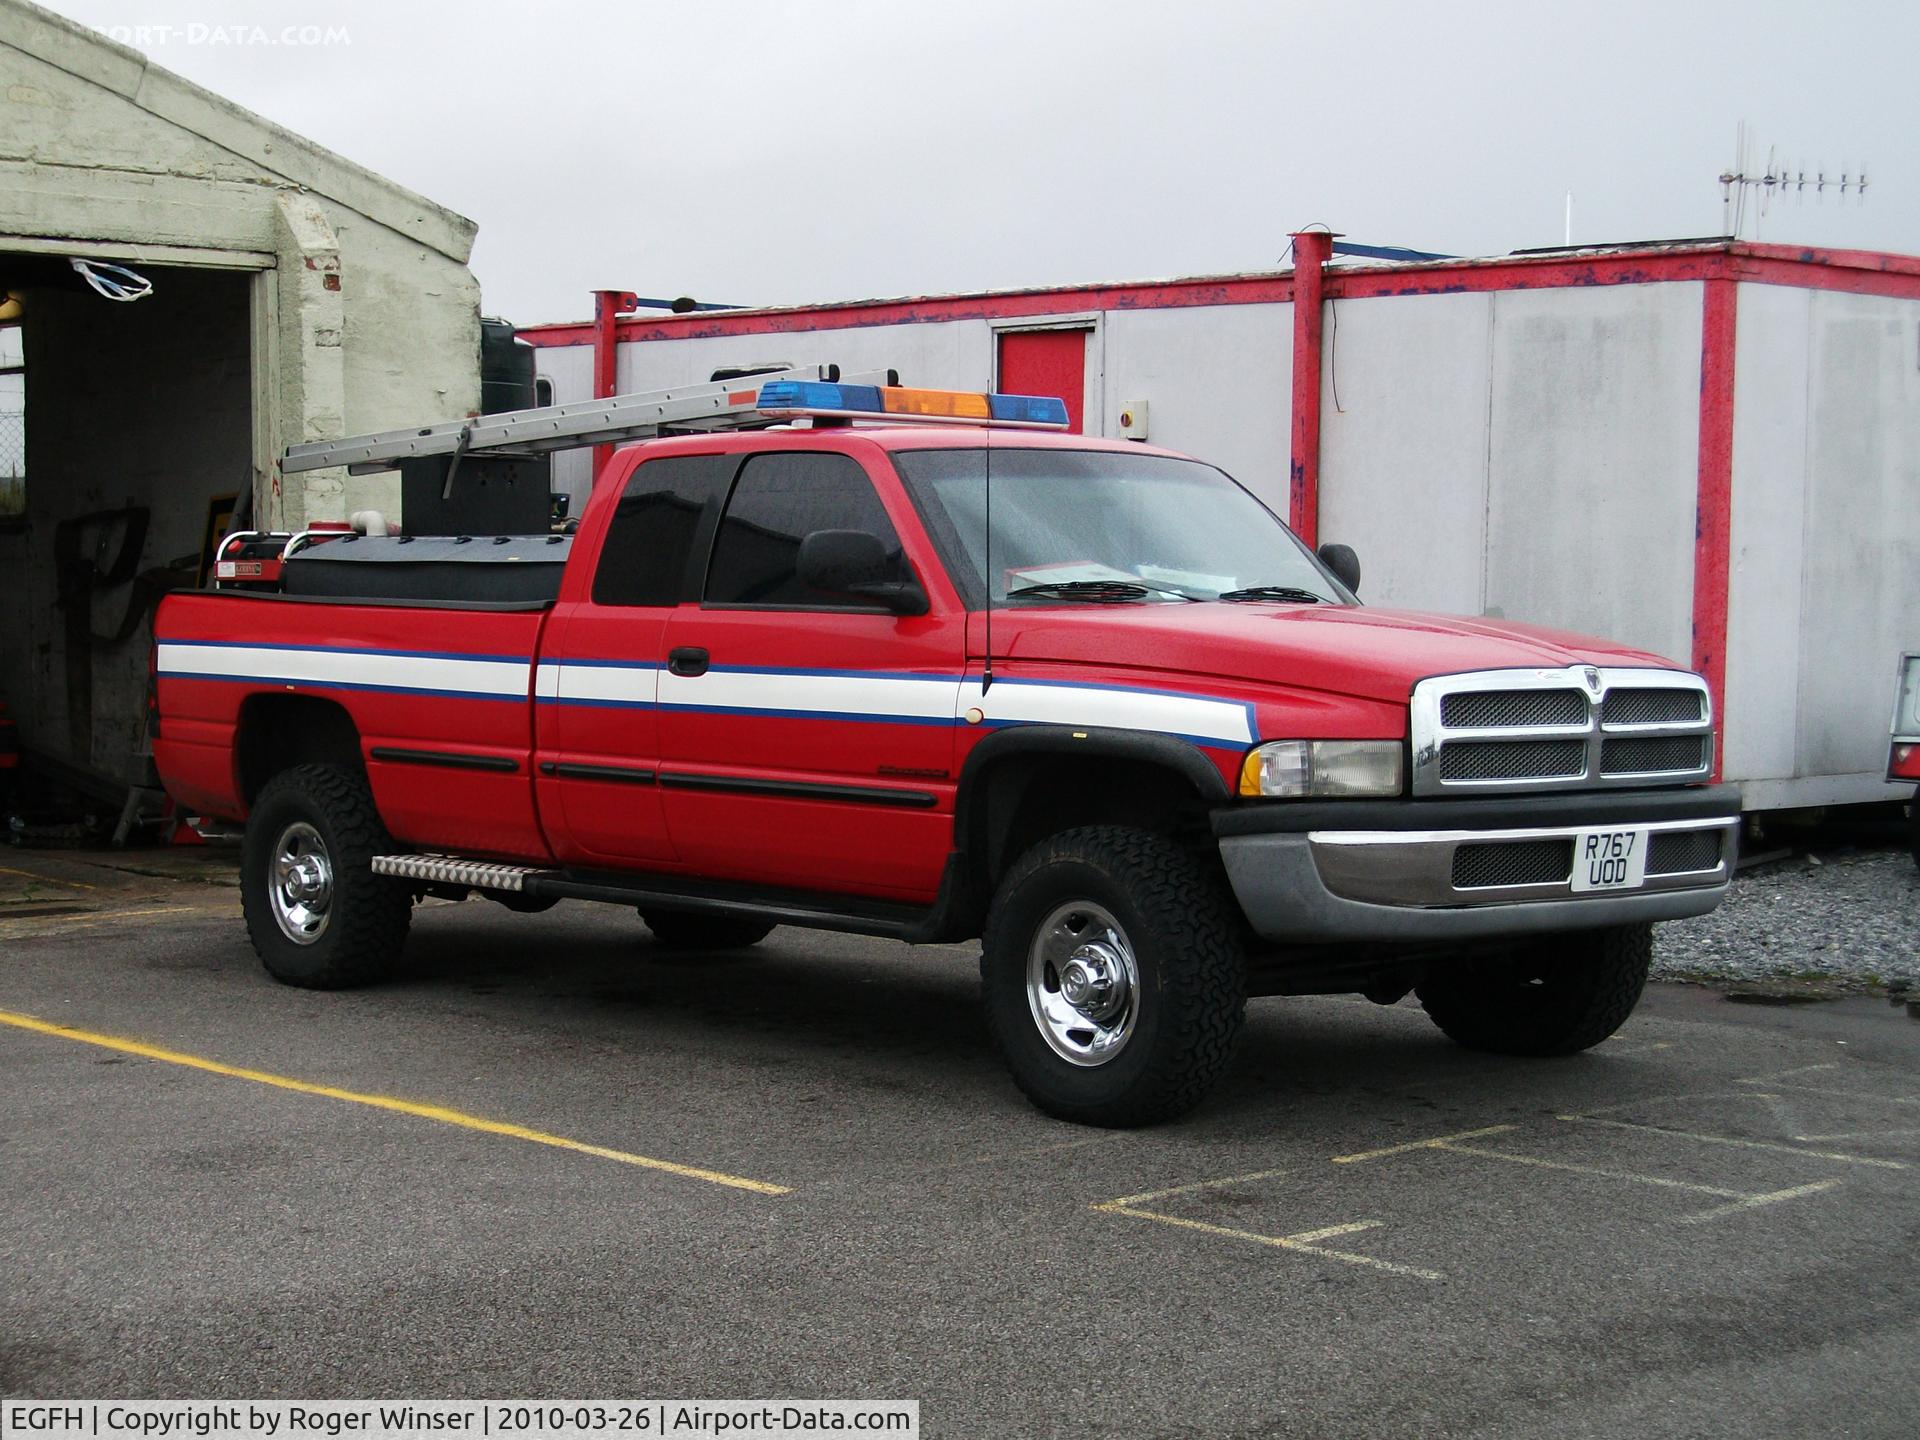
<point>1083,984</point>
<point>300,885</point>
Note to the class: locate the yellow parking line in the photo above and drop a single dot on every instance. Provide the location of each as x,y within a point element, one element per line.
<point>46,879</point>
<point>1303,1242</point>
<point>1438,1142</point>
<point>438,1113</point>
<point>1753,1202</point>
<point>1739,1141</point>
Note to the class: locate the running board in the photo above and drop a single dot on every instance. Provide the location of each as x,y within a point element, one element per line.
<point>895,922</point>
<point>451,870</point>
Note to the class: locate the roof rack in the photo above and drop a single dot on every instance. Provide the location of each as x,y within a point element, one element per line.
<point>717,405</point>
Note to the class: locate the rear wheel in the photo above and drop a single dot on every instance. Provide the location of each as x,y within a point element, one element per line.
<point>1560,995</point>
<point>686,930</point>
<point>1114,977</point>
<point>317,914</point>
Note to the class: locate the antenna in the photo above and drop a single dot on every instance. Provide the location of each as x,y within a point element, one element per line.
<point>1743,178</point>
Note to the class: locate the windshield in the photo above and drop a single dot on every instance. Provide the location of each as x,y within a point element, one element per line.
<point>1098,526</point>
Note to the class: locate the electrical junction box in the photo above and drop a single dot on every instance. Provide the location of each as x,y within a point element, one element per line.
<point>1133,420</point>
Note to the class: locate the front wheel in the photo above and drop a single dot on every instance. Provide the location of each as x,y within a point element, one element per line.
<point>1560,995</point>
<point>317,914</point>
<point>1114,976</point>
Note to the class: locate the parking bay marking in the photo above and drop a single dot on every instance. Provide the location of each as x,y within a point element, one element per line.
<point>1737,1200</point>
<point>1740,1141</point>
<point>1307,1242</point>
<point>439,1113</point>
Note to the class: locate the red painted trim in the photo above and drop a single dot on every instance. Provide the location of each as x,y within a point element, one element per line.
<point>1713,510</point>
<point>1532,272</point>
<point>606,361</point>
<point>1311,250</point>
<point>1851,271</point>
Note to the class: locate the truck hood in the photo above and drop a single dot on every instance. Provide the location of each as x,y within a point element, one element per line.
<point>1345,650</point>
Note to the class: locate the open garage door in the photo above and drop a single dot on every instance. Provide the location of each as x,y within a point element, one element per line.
<point>139,433</point>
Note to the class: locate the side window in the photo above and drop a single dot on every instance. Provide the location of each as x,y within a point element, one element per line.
<point>778,501</point>
<point>651,536</point>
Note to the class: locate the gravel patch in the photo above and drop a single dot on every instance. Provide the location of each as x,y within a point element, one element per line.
<point>1850,920</point>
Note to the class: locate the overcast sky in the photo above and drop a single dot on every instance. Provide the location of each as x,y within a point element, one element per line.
<point>839,149</point>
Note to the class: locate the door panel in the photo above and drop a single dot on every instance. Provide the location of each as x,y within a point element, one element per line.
<point>1047,362</point>
<point>814,746</point>
<point>598,682</point>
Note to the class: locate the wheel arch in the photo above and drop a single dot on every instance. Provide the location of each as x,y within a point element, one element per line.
<point>1026,782</point>
<point>277,732</point>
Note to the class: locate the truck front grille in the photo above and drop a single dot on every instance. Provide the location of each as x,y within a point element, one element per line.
<point>1478,709</point>
<point>1677,851</point>
<point>1510,759</point>
<point>1585,727</point>
<point>1513,862</point>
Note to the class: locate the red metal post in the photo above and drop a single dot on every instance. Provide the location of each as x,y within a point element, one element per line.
<point>1311,251</point>
<point>1713,512</point>
<point>607,305</point>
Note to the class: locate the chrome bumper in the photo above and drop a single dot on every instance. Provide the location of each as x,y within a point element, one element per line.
<point>1410,885</point>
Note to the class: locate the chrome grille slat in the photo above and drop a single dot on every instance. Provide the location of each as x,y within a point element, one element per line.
<point>1581,727</point>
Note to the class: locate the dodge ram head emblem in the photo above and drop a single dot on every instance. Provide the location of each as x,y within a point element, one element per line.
<point>1593,679</point>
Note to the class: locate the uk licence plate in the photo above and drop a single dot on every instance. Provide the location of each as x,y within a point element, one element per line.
<point>1609,859</point>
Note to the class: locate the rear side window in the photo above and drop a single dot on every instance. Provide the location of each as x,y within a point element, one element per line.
<point>778,501</point>
<point>649,545</point>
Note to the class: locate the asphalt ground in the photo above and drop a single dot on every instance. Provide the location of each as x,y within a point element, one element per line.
<point>453,1186</point>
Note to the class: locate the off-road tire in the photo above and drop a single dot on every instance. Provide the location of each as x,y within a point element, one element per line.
<point>1561,995</point>
<point>368,914</point>
<point>686,930</point>
<point>1192,989</point>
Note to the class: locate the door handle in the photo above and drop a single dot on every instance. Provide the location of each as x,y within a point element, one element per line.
<point>687,660</point>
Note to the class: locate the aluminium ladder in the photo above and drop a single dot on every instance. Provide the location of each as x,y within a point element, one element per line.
<point>716,405</point>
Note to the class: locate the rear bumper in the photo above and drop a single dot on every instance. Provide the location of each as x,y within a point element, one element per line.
<point>1432,872</point>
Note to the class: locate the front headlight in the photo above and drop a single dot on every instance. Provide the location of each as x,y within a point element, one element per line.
<point>1322,769</point>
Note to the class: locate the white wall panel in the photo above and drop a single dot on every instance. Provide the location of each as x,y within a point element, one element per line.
<point>1859,608</point>
<point>1593,458</point>
<point>1218,382</point>
<point>1403,453</point>
<point>1761,718</point>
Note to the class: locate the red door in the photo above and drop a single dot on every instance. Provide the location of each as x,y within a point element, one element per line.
<point>1046,362</point>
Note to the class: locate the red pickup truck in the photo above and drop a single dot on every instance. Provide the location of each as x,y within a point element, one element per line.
<point>1088,701</point>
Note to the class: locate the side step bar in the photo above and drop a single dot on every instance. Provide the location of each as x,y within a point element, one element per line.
<point>915,924</point>
<point>452,870</point>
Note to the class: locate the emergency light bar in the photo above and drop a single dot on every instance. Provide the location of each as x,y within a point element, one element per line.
<point>896,402</point>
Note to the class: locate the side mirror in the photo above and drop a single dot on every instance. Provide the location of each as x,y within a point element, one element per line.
<point>856,562</point>
<point>1344,564</point>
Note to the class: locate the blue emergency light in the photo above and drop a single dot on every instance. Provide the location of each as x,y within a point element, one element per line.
<point>896,402</point>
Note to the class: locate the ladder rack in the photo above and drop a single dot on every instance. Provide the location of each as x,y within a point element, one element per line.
<point>716,405</point>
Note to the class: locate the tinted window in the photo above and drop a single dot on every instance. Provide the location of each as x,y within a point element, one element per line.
<point>651,538</point>
<point>778,502</point>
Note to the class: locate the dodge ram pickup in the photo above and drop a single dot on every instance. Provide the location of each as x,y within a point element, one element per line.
<point>842,664</point>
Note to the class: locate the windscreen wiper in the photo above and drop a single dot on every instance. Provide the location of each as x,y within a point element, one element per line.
<point>1275,592</point>
<point>1095,590</point>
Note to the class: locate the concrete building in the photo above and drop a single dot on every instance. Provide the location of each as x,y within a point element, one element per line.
<point>295,296</point>
<point>1710,450</point>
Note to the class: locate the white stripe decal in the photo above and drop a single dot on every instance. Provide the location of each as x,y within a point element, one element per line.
<point>1192,716</point>
<point>891,697</point>
<point>497,679</point>
<point>597,684</point>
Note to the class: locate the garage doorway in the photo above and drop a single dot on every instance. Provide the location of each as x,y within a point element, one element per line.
<point>139,429</point>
